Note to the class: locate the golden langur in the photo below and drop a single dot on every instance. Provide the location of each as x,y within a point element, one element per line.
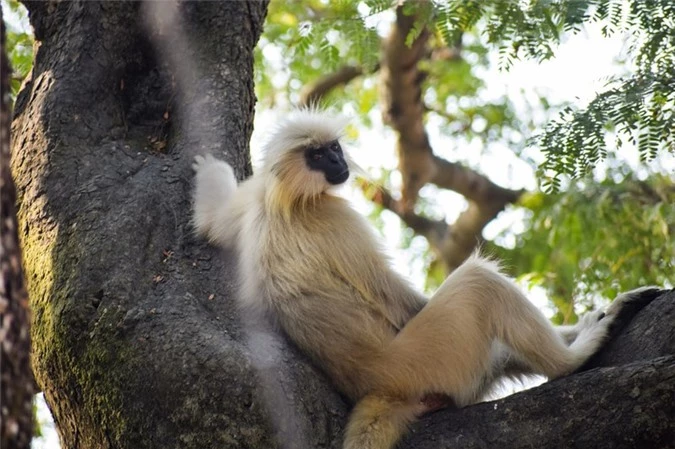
<point>308,261</point>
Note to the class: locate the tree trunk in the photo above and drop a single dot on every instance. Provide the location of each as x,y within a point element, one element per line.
<point>137,343</point>
<point>16,380</point>
<point>136,339</point>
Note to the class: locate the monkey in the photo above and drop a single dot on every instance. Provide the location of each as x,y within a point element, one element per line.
<point>314,266</point>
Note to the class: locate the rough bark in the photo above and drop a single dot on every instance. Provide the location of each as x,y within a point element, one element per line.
<point>137,343</point>
<point>16,380</point>
<point>625,407</point>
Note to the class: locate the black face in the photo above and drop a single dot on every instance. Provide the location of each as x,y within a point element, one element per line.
<point>329,159</point>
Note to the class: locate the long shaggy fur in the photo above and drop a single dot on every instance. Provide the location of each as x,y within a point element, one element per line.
<point>308,260</point>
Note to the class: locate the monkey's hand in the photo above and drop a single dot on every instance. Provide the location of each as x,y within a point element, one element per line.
<point>201,162</point>
<point>215,183</point>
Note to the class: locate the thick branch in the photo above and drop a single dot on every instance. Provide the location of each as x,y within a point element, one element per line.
<point>403,109</point>
<point>453,244</point>
<point>465,233</point>
<point>470,184</point>
<point>136,338</point>
<point>619,407</point>
<point>434,230</point>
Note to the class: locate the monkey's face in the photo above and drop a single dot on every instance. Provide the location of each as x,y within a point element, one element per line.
<point>329,159</point>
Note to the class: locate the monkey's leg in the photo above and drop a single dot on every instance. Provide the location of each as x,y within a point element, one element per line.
<point>449,346</point>
<point>476,328</point>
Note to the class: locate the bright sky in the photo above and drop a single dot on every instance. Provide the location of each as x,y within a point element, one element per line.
<point>574,75</point>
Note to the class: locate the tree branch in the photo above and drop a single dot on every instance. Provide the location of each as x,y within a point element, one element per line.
<point>402,107</point>
<point>404,110</point>
<point>452,244</point>
<point>465,233</point>
<point>313,93</point>
<point>433,230</point>
<point>470,184</point>
<point>619,407</point>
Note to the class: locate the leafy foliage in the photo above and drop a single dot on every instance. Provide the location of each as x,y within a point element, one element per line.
<point>602,238</point>
<point>639,108</point>
<point>19,44</point>
<point>312,38</point>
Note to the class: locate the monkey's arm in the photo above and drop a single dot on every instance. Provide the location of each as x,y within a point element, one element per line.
<point>215,185</point>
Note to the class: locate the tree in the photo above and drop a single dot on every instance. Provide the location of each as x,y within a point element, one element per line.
<point>16,380</point>
<point>136,341</point>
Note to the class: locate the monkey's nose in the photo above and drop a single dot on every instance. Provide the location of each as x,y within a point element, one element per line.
<point>333,157</point>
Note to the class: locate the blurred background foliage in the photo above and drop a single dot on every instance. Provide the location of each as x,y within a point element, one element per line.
<point>595,225</point>
<point>597,238</point>
<point>592,225</point>
<point>318,36</point>
<point>19,41</point>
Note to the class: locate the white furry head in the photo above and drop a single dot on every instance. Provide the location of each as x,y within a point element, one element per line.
<point>300,129</point>
<point>292,182</point>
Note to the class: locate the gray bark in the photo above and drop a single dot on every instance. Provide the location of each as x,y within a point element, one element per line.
<point>137,343</point>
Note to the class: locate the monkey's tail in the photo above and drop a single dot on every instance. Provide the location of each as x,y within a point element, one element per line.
<point>377,422</point>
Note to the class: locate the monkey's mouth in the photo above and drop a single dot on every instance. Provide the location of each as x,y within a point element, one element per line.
<point>339,178</point>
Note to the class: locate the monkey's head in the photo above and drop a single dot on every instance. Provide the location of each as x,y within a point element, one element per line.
<point>304,155</point>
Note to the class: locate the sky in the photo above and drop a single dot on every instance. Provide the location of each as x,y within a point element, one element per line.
<point>574,75</point>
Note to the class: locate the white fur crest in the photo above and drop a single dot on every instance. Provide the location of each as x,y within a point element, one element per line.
<point>301,128</point>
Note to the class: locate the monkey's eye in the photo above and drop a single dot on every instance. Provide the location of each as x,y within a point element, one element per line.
<point>336,147</point>
<point>316,154</point>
